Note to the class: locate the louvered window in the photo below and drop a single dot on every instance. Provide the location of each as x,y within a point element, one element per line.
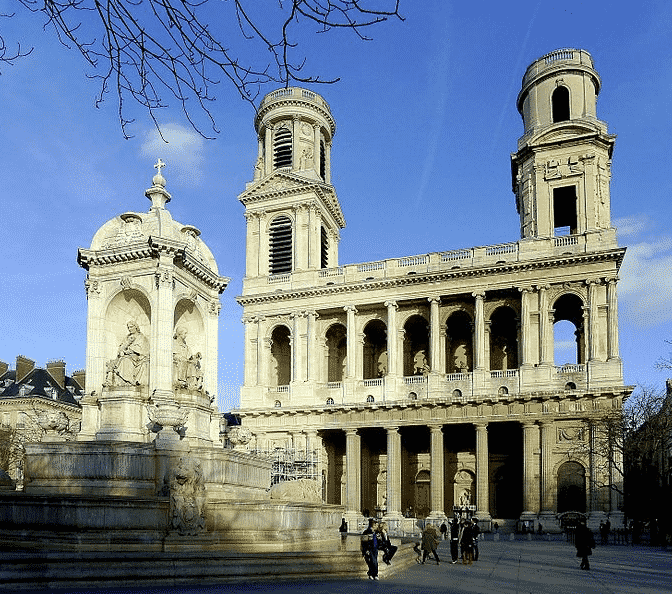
<point>280,245</point>
<point>282,148</point>
<point>324,260</point>
<point>323,169</point>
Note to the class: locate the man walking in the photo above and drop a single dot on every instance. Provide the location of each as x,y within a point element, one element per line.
<point>370,551</point>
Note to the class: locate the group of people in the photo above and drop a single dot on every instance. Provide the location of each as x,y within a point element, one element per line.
<point>375,539</point>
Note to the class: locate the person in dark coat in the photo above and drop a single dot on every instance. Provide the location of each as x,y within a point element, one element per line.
<point>475,531</point>
<point>430,541</point>
<point>443,529</point>
<point>454,539</point>
<point>467,543</point>
<point>584,543</point>
<point>370,551</point>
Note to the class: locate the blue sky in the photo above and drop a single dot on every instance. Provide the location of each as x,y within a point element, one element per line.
<point>426,121</point>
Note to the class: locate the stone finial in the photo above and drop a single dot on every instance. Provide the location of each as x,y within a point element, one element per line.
<point>157,193</point>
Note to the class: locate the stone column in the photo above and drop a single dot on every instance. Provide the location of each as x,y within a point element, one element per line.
<point>327,168</point>
<point>351,310</point>
<point>316,148</point>
<point>312,348</point>
<point>525,358</point>
<point>482,472</point>
<point>353,465</point>
<point>265,346</point>
<point>296,132</point>
<point>161,348</point>
<point>436,486</point>
<point>252,244</point>
<point>547,482</point>
<point>612,319</point>
<point>393,474</point>
<point>479,332</point>
<point>268,160</point>
<point>263,245</point>
<point>392,369</point>
<point>434,333</point>
<point>545,352</point>
<point>301,233</point>
<point>251,339</point>
<point>592,319</point>
<point>530,482</point>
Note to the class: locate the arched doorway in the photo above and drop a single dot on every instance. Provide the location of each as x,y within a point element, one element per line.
<point>337,349</point>
<point>459,343</point>
<point>416,343</point>
<point>375,350</point>
<point>503,339</point>
<point>281,357</point>
<point>422,503</point>
<point>568,329</point>
<point>571,487</point>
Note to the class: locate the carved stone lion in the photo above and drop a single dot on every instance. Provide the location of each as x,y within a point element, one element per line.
<point>239,437</point>
<point>305,490</point>
<point>187,497</point>
<point>53,420</point>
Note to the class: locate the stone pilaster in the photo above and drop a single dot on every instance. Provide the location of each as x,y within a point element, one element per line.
<point>530,469</point>
<point>434,334</point>
<point>525,330</point>
<point>479,331</point>
<point>351,310</point>
<point>545,328</point>
<point>612,319</point>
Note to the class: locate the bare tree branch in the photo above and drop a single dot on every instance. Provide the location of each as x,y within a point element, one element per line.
<point>146,50</point>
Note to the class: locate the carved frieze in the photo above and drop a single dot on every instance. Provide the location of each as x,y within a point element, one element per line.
<point>566,167</point>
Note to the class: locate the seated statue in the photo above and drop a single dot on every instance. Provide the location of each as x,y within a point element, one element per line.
<point>131,364</point>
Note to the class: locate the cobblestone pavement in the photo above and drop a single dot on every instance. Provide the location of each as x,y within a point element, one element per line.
<point>516,567</point>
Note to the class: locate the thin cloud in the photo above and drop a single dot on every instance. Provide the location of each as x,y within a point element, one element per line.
<point>182,149</point>
<point>632,225</point>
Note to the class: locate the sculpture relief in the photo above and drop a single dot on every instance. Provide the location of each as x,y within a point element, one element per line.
<point>187,497</point>
<point>187,372</point>
<point>131,365</point>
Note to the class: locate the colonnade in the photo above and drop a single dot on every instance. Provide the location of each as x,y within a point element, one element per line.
<point>309,351</point>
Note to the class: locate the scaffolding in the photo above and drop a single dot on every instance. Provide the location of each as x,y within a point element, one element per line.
<point>291,464</point>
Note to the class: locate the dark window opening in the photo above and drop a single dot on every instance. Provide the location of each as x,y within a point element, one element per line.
<point>560,101</point>
<point>564,211</point>
<point>282,148</point>
<point>324,254</point>
<point>280,245</point>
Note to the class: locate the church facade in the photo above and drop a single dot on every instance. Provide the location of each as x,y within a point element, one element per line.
<point>427,382</point>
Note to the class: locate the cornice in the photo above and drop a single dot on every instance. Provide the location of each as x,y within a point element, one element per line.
<point>446,402</point>
<point>206,275</point>
<point>434,277</point>
<point>293,101</point>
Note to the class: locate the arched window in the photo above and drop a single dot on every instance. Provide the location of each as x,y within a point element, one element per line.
<point>280,245</point>
<point>568,336</point>
<point>282,148</point>
<point>503,339</point>
<point>330,401</point>
<point>375,350</point>
<point>278,404</point>
<point>412,396</point>
<point>324,249</point>
<point>457,394</point>
<point>370,398</point>
<point>570,386</point>
<point>416,342</point>
<point>560,101</point>
<point>337,350</point>
<point>281,357</point>
<point>503,391</point>
<point>459,353</point>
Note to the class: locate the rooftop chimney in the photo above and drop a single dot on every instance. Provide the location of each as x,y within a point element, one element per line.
<point>56,370</point>
<point>80,378</point>
<point>24,366</point>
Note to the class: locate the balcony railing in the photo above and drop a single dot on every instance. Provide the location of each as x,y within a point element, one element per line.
<point>504,373</point>
<point>415,379</point>
<point>458,377</point>
<point>570,369</point>
<point>373,382</point>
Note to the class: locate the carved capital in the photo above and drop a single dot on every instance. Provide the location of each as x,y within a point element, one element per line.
<point>92,287</point>
<point>391,304</point>
<point>214,307</point>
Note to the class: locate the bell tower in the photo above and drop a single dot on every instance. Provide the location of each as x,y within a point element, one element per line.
<point>292,211</point>
<point>562,169</point>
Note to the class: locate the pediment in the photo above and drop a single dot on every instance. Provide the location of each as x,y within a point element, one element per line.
<point>285,184</point>
<point>279,182</point>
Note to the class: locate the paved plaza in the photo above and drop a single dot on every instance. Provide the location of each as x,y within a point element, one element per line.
<point>504,567</point>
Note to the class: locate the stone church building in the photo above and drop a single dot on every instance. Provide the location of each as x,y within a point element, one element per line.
<point>426,382</point>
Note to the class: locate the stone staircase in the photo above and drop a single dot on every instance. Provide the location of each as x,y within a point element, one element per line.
<point>50,570</point>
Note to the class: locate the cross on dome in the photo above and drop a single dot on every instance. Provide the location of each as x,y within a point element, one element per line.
<point>159,165</point>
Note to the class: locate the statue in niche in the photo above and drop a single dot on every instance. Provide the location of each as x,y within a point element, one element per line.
<point>382,364</point>
<point>465,498</point>
<point>420,365</point>
<point>130,366</point>
<point>187,371</point>
<point>257,168</point>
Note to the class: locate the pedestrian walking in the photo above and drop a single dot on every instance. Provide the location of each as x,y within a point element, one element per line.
<point>430,541</point>
<point>370,551</point>
<point>444,530</point>
<point>584,543</point>
<point>454,539</point>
